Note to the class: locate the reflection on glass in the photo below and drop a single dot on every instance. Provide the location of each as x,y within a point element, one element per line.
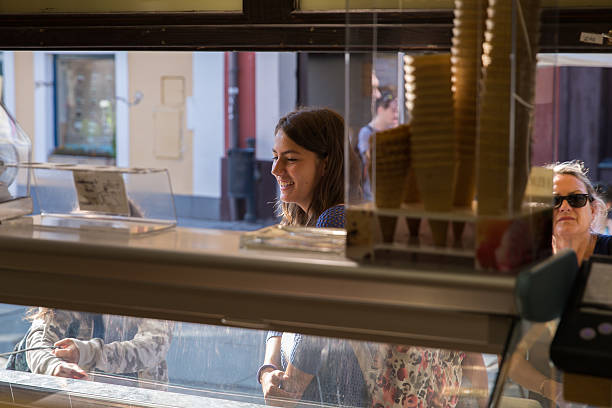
<point>79,345</point>
<point>354,373</point>
<point>374,109</point>
<point>147,361</point>
<point>532,375</point>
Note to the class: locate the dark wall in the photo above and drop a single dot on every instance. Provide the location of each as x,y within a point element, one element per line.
<point>585,127</point>
<point>321,81</point>
<point>580,106</point>
<point>265,193</point>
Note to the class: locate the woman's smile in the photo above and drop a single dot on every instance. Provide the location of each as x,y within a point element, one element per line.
<point>285,185</point>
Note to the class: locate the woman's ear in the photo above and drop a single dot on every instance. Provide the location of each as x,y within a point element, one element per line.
<point>323,165</point>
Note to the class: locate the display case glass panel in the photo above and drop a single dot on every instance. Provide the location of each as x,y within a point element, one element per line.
<point>104,198</point>
<point>448,165</point>
<point>138,361</point>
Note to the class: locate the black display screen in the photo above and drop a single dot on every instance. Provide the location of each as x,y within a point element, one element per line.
<point>598,290</point>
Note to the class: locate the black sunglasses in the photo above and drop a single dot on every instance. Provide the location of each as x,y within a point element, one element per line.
<point>575,200</point>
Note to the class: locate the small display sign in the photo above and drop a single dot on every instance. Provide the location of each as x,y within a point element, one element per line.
<point>101,192</point>
<point>592,38</point>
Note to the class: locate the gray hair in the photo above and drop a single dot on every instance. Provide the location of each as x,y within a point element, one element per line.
<point>577,169</point>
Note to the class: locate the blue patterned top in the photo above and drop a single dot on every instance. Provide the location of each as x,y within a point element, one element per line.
<point>333,217</point>
<point>338,379</point>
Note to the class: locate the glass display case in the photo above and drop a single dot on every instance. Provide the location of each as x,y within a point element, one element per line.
<point>103,198</point>
<point>15,153</point>
<point>444,142</point>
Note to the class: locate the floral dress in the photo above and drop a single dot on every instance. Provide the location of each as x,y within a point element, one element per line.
<point>415,377</point>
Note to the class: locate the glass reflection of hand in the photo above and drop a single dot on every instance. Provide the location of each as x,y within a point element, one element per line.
<point>273,391</point>
<point>70,370</point>
<point>551,389</point>
<point>67,351</point>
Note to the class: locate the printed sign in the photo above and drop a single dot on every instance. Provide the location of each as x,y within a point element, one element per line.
<point>101,192</point>
<point>592,38</point>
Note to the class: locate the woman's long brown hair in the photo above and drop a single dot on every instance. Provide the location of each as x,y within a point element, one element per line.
<point>321,131</point>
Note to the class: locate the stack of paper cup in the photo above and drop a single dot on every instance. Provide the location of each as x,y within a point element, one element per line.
<point>392,160</point>
<point>504,140</point>
<point>468,33</point>
<point>429,100</point>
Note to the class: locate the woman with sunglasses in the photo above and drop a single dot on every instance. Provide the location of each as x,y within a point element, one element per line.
<point>578,212</point>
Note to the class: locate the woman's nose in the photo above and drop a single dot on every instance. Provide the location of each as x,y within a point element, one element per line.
<point>565,206</point>
<point>276,167</point>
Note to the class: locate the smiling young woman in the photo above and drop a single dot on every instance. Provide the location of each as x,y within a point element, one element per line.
<point>309,167</point>
<point>578,211</point>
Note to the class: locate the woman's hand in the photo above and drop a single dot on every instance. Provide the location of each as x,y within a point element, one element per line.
<point>67,351</point>
<point>271,384</point>
<point>70,370</point>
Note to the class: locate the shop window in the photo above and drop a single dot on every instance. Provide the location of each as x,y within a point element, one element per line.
<point>182,364</point>
<point>85,111</point>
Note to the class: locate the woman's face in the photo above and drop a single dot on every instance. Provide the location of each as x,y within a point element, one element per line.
<point>297,170</point>
<point>567,220</point>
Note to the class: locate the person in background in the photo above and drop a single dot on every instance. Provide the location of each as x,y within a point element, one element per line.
<point>385,117</point>
<point>86,342</point>
<point>578,212</point>
<point>309,168</point>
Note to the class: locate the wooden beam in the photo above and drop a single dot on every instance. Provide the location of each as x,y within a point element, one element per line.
<point>276,25</point>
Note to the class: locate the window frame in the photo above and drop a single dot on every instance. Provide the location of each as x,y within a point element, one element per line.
<point>277,25</point>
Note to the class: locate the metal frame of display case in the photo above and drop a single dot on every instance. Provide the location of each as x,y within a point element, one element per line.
<point>275,25</point>
<point>203,276</point>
